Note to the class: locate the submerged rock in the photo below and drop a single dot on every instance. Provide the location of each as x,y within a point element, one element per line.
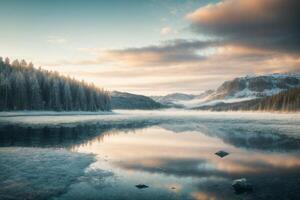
<point>241,186</point>
<point>222,153</point>
<point>141,186</point>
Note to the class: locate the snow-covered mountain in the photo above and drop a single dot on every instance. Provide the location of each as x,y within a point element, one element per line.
<point>236,90</point>
<point>286,101</point>
<point>256,86</point>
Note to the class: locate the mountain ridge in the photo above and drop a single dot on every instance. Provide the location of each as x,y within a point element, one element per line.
<point>285,101</point>
<point>236,90</point>
<point>125,100</point>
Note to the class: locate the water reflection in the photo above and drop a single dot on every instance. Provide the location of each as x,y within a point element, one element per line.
<point>245,135</point>
<point>155,151</point>
<point>58,136</point>
<point>176,160</point>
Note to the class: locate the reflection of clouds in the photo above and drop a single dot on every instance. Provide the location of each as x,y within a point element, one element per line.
<point>163,156</point>
<point>157,150</point>
<point>203,196</point>
<point>174,187</point>
<point>148,143</point>
<point>265,162</point>
<point>180,167</point>
<point>179,152</point>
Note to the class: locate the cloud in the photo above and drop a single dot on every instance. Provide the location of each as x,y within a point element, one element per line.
<point>56,40</point>
<point>226,63</point>
<point>180,56</point>
<point>199,53</point>
<point>172,52</point>
<point>267,24</point>
<point>166,31</point>
<point>245,37</point>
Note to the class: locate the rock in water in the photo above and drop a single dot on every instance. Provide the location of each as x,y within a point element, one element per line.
<point>141,186</point>
<point>241,186</point>
<point>222,153</point>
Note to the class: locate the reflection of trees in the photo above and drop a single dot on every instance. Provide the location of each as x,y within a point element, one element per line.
<point>242,135</point>
<point>248,136</point>
<point>62,136</point>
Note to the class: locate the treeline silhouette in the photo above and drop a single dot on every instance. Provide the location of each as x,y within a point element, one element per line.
<point>23,87</point>
<point>286,101</point>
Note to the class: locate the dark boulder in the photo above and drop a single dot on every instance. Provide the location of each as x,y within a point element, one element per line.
<point>222,153</point>
<point>141,186</point>
<point>241,186</point>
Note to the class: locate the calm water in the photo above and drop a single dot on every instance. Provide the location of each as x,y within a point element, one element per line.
<point>174,157</point>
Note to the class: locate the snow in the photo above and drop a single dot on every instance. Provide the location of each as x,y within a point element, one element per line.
<point>192,101</point>
<point>276,75</point>
<point>230,100</point>
<point>272,91</point>
<point>273,75</point>
<point>51,113</point>
<point>205,101</point>
<point>252,94</point>
<point>124,117</point>
<point>39,173</point>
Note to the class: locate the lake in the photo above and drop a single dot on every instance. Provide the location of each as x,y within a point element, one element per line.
<point>61,156</point>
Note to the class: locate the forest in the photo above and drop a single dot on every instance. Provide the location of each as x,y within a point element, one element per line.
<point>24,87</point>
<point>285,101</point>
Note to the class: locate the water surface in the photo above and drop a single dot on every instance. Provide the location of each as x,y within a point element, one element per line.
<point>174,156</point>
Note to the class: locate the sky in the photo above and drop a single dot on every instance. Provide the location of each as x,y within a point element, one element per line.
<point>154,47</point>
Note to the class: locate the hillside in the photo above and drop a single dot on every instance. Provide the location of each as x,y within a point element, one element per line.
<point>123,100</point>
<point>256,86</point>
<point>284,101</point>
<point>173,99</point>
<point>234,91</point>
<point>23,87</point>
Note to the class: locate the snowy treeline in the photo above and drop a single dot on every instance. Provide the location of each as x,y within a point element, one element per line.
<point>23,87</point>
<point>286,101</point>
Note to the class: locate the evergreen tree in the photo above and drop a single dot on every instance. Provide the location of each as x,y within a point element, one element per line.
<point>23,87</point>
<point>34,92</point>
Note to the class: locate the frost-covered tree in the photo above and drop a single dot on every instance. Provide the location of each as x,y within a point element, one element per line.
<point>23,63</point>
<point>55,95</point>
<point>19,92</point>
<point>34,93</point>
<point>23,87</point>
<point>7,61</point>
<point>16,63</point>
<point>5,88</point>
<point>67,97</point>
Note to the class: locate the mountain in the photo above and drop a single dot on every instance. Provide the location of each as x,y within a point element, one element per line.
<point>173,99</point>
<point>204,94</point>
<point>236,90</point>
<point>123,100</point>
<point>284,101</point>
<point>256,86</point>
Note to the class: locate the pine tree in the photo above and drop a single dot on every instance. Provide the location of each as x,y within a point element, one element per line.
<point>67,97</point>
<point>24,87</point>
<point>34,92</point>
